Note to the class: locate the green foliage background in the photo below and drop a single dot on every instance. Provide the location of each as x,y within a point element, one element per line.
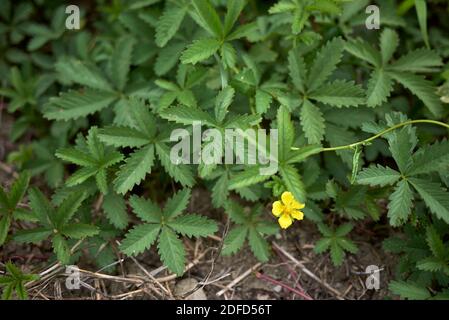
<point>94,108</point>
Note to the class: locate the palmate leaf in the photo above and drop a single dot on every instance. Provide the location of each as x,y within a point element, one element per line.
<point>435,197</point>
<point>193,225</point>
<point>421,88</point>
<point>380,86</point>
<point>340,93</point>
<point>171,251</point>
<point>123,137</point>
<point>200,50</point>
<point>364,51</point>
<point>435,243</point>
<point>75,104</point>
<point>180,173</point>
<point>297,70</point>
<point>234,240</point>
<point>86,75</point>
<point>177,203</point>
<point>145,209</point>
<point>285,131</point>
<point>222,102</point>
<point>325,63</point>
<point>293,182</point>
<point>206,16</point>
<point>187,115</point>
<point>115,210</point>
<point>312,122</point>
<point>169,23</point>
<point>135,169</point>
<point>233,10</point>
<point>258,245</point>
<point>139,239</point>
<point>419,60</point>
<point>409,290</point>
<point>389,41</point>
<point>248,177</point>
<point>378,176</point>
<point>400,205</point>
<point>121,61</point>
<point>431,158</point>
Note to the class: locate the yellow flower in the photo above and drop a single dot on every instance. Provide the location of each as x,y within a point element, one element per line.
<point>287,210</point>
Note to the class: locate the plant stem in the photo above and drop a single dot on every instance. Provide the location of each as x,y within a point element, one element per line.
<point>402,124</point>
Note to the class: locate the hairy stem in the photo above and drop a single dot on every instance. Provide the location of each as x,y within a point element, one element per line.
<point>378,135</point>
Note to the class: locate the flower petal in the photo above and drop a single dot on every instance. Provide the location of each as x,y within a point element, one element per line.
<point>287,198</point>
<point>296,214</point>
<point>285,221</point>
<point>297,205</point>
<point>277,209</point>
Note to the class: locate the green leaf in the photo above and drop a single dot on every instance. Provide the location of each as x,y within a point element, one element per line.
<point>258,245</point>
<point>340,93</point>
<point>208,18</point>
<point>187,115</point>
<point>68,208</point>
<point>297,156</point>
<point>235,212</point>
<point>343,230</point>
<point>169,23</point>
<point>200,50</point>
<point>193,225</point>
<point>322,245</point>
<point>325,63</point>
<point>263,101</point>
<point>145,209</point>
<point>172,251</point>
<point>431,158</point>
<point>312,122</point>
<point>421,88</point>
<point>135,169</point>
<point>246,178</point>
<point>380,86</point>
<point>79,230</point>
<point>177,203</point>
<point>121,61</point>
<point>220,191</point>
<point>75,104</point>
<point>409,290</point>
<point>421,10</point>
<point>33,235</point>
<point>234,240</point>
<point>337,254</point>
<point>80,176</point>
<point>286,132</point>
<point>19,188</point>
<point>139,239</point>
<point>293,182</point>
<point>79,72</point>
<point>400,205</point>
<point>297,70</point>
<point>40,206</point>
<point>389,41</point>
<point>114,207</point>
<point>435,243</point>
<point>222,102</point>
<point>378,176</point>
<point>5,223</point>
<point>435,197</point>
<point>420,60</point>
<point>61,249</point>
<point>234,8</point>
<point>364,51</point>
<point>180,173</point>
<point>401,147</point>
<point>76,156</point>
<point>123,137</point>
